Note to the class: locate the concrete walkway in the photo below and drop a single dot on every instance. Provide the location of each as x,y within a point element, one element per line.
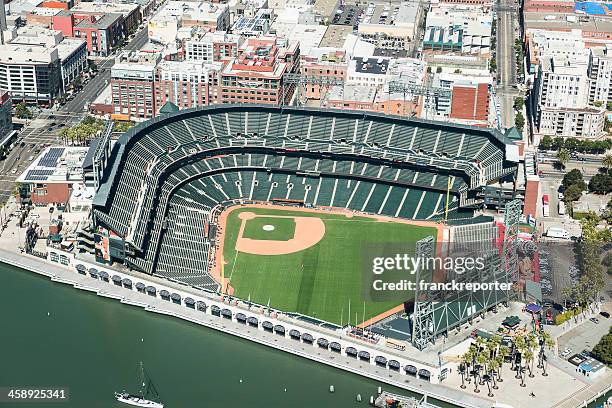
<point>398,379</point>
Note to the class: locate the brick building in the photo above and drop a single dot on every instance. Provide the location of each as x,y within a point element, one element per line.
<point>469,98</point>
<point>187,84</point>
<point>51,177</point>
<point>103,33</point>
<point>256,74</point>
<point>210,46</point>
<point>323,63</point>
<point>133,86</point>
<point>470,102</point>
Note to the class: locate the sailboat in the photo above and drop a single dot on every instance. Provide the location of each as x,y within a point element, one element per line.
<point>147,397</point>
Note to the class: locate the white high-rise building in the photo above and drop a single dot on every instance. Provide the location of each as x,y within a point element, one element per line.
<point>601,75</point>
<point>562,93</point>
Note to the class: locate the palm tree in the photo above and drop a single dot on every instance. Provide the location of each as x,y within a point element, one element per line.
<point>481,359</point>
<point>529,359</point>
<point>462,369</point>
<point>563,156</point>
<point>549,343</point>
<point>493,367</point>
<point>520,347</point>
<point>607,161</point>
<point>532,343</point>
<point>504,351</point>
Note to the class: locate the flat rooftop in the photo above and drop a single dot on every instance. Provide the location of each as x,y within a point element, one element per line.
<point>56,164</point>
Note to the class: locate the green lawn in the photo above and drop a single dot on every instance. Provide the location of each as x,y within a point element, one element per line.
<point>284,228</point>
<point>320,280</point>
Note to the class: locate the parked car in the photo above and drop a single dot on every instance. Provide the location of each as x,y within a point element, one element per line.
<point>605,314</point>
<point>594,320</point>
<point>566,352</point>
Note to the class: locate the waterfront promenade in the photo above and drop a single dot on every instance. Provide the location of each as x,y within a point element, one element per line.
<point>69,276</point>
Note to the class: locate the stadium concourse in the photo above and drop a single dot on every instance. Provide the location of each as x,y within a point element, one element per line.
<point>168,179</point>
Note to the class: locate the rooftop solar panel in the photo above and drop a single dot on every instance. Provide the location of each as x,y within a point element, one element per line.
<point>38,175</point>
<point>51,157</point>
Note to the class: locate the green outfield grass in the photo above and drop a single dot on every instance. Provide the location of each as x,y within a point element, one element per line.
<point>320,280</point>
<point>284,229</point>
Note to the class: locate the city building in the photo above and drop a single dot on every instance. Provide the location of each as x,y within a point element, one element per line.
<point>373,99</point>
<point>548,6</point>
<point>255,26</point>
<point>31,73</point>
<point>461,29</point>
<point>59,4</point>
<point>256,75</point>
<point>165,24</point>
<point>390,27</point>
<point>379,70</point>
<point>595,30</point>
<point>103,33</point>
<point>132,16</point>
<point>133,86</point>
<point>322,64</point>
<point>600,73</point>
<point>561,94</point>
<point>211,46</point>
<point>21,7</point>
<point>51,177</point>
<point>72,52</point>
<point>308,35</point>
<point>6,118</point>
<point>470,97</point>
<point>187,84</point>
<point>245,8</point>
<point>42,16</point>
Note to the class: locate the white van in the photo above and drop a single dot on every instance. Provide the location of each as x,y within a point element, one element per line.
<point>554,232</point>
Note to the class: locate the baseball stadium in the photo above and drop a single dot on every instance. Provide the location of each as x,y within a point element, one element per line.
<point>274,205</point>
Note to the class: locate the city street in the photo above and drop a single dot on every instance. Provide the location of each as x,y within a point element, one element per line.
<point>506,61</point>
<point>94,87</point>
<point>31,141</point>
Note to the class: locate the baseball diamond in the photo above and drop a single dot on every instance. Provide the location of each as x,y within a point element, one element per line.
<point>173,181</point>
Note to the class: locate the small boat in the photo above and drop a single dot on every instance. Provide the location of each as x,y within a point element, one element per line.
<point>147,397</point>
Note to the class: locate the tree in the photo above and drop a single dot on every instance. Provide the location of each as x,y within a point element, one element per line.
<point>546,143</point>
<point>598,104</point>
<point>22,111</point>
<point>609,106</point>
<point>601,183</point>
<point>519,102</point>
<point>572,193</point>
<point>493,65</point>
<point>438,70</point>
<point>563,156</point>
<point>573,177</point>
<point>607,161</point>
<point>429,69</point>
<point>603,350</point>
<point>519,121</point>
<point>121,126</point>
<point>77,83</point>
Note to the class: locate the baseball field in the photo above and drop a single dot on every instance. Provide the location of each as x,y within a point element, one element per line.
<point>305,261</point>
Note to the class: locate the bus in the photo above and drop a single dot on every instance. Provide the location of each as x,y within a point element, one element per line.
<point>561,208</point>
<point>545,207</point>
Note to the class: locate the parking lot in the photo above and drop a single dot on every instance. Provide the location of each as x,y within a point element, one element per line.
<point>584,336</point>
<point>558,268</point>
